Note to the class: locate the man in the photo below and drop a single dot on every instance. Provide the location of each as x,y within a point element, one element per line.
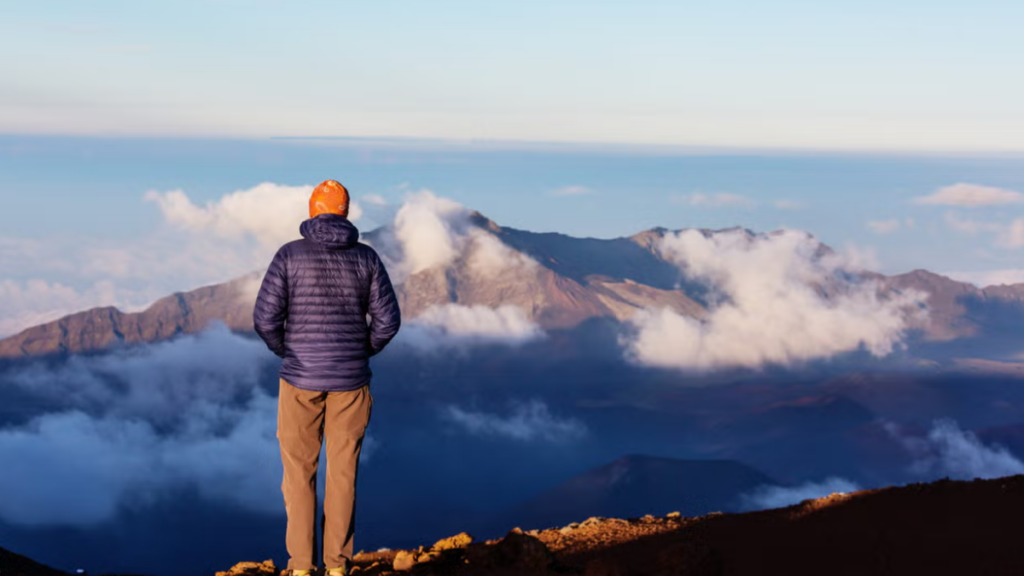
<point>312,311</point>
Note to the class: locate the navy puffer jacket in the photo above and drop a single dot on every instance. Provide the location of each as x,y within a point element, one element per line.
<point>312,306</point>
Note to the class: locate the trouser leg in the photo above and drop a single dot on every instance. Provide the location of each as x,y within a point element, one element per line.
<point>346,419</point>
<point>300,419</point>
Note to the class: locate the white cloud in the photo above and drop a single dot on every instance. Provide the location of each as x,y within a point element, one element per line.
<point>132,426</point>
<point>527,422</point>
<point>429,231</point>
<point>1006,235</point>
<point>1012,236</point>
<point>949,451</point>
<point>971,196</point>
<point>455,325</point>
<point>574,190</point>
<point>884,226</point>
<point>716,200</point>
<point>269,212</point>
<point>768,307</point>
<point>766,497</point>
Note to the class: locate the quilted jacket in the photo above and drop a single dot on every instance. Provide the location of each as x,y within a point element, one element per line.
<point>313,304</point>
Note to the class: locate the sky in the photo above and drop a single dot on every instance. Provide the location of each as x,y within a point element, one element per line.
<point>891,130</point>
<point>852,75</point>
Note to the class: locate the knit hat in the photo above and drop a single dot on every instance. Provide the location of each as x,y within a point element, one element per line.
<point>330,197</point>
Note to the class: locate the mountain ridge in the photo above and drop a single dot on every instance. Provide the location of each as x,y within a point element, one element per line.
<point>560,281</point>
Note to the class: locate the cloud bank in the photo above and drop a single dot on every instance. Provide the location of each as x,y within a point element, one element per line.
<point>766,497</point>
<point>455,325</point>
<point>128,428</point>
<point>949,451</point>
<point>778,299</point>
<point>528,421</point>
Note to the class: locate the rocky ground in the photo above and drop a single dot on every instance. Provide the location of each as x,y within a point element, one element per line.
<point>935,529</point>
<point>939,528</point>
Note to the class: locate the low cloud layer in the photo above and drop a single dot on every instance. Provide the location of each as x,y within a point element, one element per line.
<point>527,421</point>
<point>947,450</point>
<point>777,299</point>
<point>458,326</point>
<point>767,497</point>
<point>132,427</point>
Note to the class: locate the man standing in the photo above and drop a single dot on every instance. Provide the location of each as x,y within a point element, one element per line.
<point>312,311</point>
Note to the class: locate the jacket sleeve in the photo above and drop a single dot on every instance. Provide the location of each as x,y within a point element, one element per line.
<point>271,309</point>
<point>385,317</point>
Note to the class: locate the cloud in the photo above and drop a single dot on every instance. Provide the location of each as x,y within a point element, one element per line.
<point>716,200</point>
<point>528,421</point>
<point>949,451</point>
<point>35,301</point>
<point>574,190</point>
<point>970,196</point>
<point>131,427</point>
<point>776,299</point>
<point>430,232</point>
<point>269,212</point>
<point>1006,235</point>
<point>456,325</point>
<point>766,497</point>
<point>200,244</point>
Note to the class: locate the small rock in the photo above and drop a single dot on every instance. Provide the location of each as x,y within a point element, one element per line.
<point>403,560</point>
<point>648,518</point>
<point>524,551</point>
<point>534,532</point>
<point>592,520</point>
<point>673,515</point>
<point>566,530</point>
<point>265,568</point>
<point>458,541</point>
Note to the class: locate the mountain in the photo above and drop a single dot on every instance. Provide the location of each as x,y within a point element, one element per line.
<point>102,328</point>
<point>635,485</point>
<point>558,281</point>
<point>938,529</point>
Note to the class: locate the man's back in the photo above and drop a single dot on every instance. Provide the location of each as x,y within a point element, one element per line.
<point>312,311</point>
<point>313,303</point>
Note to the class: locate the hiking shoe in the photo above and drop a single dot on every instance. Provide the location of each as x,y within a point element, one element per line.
<point>336,572</point>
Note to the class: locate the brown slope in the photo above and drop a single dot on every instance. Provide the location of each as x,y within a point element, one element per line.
<point>102,328</point>
<point>959,309</point>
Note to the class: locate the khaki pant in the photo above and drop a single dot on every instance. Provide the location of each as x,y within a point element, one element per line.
<point>304,419</point>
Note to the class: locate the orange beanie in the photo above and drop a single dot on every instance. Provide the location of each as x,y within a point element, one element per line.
<point>330,197</point>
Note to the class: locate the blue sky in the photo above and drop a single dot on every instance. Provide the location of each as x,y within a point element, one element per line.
<point>866,75</point>
<point>895,128</point>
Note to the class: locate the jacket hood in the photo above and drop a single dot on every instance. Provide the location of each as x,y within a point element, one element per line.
<point>330,230</point>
